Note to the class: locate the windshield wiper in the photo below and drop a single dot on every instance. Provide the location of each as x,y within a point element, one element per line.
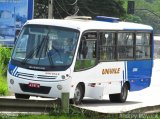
<point>38,50</point>
<point>32,52</point>
<point>47,49</point>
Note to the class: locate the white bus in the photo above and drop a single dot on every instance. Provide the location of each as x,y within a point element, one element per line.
<point>87,58</point>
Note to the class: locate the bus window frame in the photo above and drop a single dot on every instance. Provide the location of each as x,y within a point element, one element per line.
<point>134,32</point>
<point>115,45</point>
<point>78,45</point>
<point>150,44</point>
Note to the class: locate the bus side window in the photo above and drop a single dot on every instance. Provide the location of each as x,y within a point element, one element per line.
<point>86,57</point>
<point>125,46</point>
<point>143,46</point>
<point>107,46</point>
<point>83,49</point>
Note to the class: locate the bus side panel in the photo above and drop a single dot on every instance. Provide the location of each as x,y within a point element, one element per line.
<point>139,74</point>
<point>108,78</point>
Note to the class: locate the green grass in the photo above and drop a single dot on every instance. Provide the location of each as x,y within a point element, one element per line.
<point>84,116</point>
<point>51,117</point>
<point>62,116</point>
<point>3,86</point>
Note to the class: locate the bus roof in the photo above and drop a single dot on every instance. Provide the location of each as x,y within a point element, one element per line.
<point>83,25</point>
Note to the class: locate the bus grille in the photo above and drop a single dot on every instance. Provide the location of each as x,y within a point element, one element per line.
<point>32,76</point>
<point>40,90</point>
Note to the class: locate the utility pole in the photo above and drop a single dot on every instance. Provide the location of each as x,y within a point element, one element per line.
<point>50,9</point>
<point>131,7</point>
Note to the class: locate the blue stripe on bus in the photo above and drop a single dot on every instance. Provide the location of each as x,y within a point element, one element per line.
<point>15,70</point>
<point>123,76</point>
<point>11,68</point>
<point>125,71</point>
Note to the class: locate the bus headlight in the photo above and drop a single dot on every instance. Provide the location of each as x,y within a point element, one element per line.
<point>63,77</point>
<point>59,87</point>
<point>12,81</point>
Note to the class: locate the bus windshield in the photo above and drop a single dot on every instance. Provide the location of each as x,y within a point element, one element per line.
<point>45,46</point>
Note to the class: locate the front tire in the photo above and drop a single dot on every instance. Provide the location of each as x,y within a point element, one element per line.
<point>120,97</point>
<point>21,96</point>
<point>78,95</point>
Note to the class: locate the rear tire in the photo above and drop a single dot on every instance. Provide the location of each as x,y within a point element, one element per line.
<point>120,97</point>
<point>78,95</point>
<point>21,96</point>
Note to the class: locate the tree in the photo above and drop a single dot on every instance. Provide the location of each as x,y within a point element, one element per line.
<point>112,8</point>
<point>63,8</point>
<point>150,1</point>
<point>40,8</point>
<point>151,15</point>
<point>146,12</point>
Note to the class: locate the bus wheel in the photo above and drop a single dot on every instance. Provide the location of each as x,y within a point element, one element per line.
<point>21,96</point>
<point>120,97</point>
<point>78,95</point>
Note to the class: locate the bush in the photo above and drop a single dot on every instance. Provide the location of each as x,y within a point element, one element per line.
<point>5,54</point>
<point>3,86</point>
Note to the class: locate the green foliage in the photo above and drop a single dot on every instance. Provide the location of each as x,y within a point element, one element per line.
<point>146,12</point>
<point>40,8</point>
<point>63,116</point>
<point>79,113</point>
<point>133,18</point>
<point>63,8</point>
<point>5,54</point>
<point>88,115</point>
<point>3,86</point>
<point>113,8</point>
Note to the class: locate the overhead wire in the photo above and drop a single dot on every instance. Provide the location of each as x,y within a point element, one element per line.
<point>74,2</point>
<point>81,12</point>
<point>87,8</point>
<point>58,11</point>
<point>64,5</point>
<point>62,8</point>
<point>76,11</point>
<point>66,10</point>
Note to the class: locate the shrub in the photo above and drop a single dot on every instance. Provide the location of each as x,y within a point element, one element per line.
<point>5,54</point>
<point>3,86</point>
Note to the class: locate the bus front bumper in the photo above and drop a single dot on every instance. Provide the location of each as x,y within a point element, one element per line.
<point>38,88</point>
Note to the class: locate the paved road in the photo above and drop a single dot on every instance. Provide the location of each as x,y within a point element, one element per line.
<point>144,98</point>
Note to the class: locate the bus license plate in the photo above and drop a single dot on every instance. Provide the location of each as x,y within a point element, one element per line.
<point>34,85</point>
